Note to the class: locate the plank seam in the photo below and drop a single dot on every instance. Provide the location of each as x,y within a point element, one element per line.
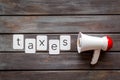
<point>58,14</point>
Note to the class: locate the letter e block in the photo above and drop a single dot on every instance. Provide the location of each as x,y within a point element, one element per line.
<point>54,47</point>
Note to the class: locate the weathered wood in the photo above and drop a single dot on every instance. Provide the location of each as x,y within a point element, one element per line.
<point>60,75</point>
<point>63,61</point>
<point>55,24</point>
<point>86,17</point>
<point>6,41</point>
<point>47,7</point>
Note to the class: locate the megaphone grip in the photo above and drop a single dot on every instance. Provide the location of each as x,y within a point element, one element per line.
<point>95,57</point>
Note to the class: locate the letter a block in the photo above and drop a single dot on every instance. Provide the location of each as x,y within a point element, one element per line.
<point>30,46</point>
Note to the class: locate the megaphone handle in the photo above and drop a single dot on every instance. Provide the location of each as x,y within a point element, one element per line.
<point>95,57</point>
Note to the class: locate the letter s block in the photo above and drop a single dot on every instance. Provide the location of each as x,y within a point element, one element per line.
<point>65,42</point>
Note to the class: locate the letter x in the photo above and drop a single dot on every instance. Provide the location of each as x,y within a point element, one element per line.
<point>41,42</point>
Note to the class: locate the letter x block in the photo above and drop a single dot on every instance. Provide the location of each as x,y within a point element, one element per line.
<point>41,42</point>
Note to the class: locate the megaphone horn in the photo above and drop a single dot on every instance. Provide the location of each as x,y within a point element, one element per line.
<point>86,42</point>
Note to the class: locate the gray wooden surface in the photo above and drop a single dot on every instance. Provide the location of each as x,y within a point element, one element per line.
<point>55,18</point>
<point>59,24</point>
<point>63,61</point>
<point>60,75</point>
<point>53,7</point>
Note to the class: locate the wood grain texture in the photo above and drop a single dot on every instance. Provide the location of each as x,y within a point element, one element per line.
<point>60,75</point>
<point>6,41</point>
<point>47,7</point>
<point>59,24</point>
<point>63,61</point>
<point>56,17</point>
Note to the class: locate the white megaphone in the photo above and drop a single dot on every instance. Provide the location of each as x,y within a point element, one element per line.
<point>85,42</point>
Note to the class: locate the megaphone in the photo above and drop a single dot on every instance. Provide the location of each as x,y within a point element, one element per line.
<point>86,42</point>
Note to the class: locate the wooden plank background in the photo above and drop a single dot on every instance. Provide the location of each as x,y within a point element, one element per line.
<point>63,61</point>
<point>59,24</point>
<point>60,75</point>
<point>55,18</point>
<point>48,7</point>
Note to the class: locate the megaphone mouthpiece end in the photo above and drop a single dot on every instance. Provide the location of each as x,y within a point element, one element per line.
<point>110,43</point>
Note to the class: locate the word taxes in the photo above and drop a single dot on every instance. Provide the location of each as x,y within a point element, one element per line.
<point>42,43</point>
